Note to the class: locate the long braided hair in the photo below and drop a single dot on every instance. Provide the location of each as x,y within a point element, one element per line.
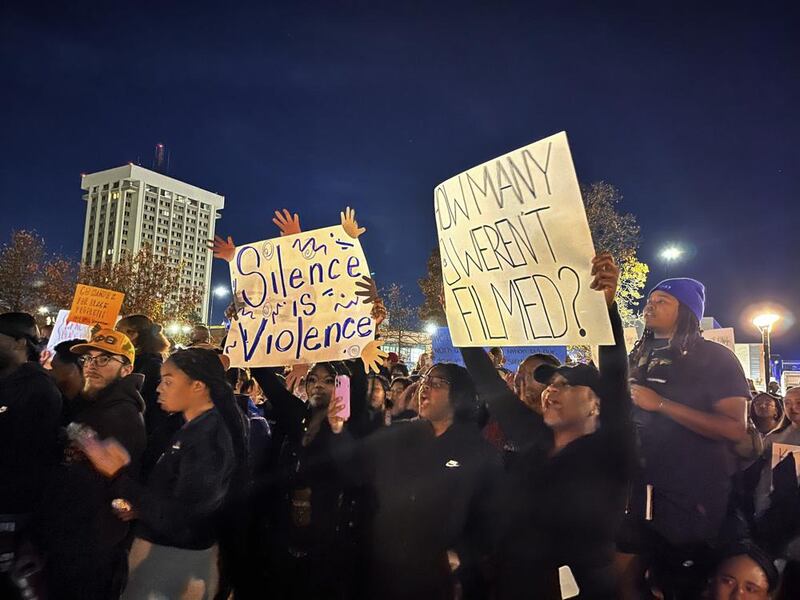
<point>201,364</point>
<point>687,333</point>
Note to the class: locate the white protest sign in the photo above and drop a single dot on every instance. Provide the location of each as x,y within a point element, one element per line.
<point>63,331</point>
<point>516,252</point>
<point>722,335</point>
<point>780,451</point>
<point>297,303</point>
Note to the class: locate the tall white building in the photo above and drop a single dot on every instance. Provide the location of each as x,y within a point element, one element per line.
<point>130,206</point>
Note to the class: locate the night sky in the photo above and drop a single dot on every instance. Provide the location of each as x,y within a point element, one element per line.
<point>691,112</point>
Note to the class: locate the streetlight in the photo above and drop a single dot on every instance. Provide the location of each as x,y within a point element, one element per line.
<point>670,254</point>
<point>43,310</point>
<point>431,328</point>
<point>764,323</point>
<point>218,292</point>
<point>174,328</point>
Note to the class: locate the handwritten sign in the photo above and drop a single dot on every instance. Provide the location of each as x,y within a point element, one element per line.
<point>781,451</point>
<point>721,335</point>
<point>93,305</point>
<point>297,300</point>
<point>516,252</point>
<point>443,351</point>
<point>64,330</point>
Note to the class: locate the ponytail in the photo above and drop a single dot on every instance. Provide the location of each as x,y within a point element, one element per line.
<point>201,364</point>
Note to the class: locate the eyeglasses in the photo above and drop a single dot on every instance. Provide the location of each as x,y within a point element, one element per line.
<point>101,360</point>
<point>433,382</point>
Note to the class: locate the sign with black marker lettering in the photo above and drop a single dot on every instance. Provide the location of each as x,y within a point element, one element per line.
<point>516,252</point>
<point>296,299</point>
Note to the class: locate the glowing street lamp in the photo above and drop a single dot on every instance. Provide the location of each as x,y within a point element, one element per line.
<point>43,310</point>
<point>431,328</point>
<point>218,292</point>
<point>764,323</point>
<point>671,254</point>
<point>174,328</point>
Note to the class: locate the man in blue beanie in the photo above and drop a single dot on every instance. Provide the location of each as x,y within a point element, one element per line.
<point>690,406</point>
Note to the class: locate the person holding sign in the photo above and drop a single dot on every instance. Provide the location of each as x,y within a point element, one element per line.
<point>691,397</point>
<point>564,491</point>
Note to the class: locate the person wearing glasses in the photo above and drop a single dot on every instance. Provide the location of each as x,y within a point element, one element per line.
<point>86,544</point>
<point>430,480</point>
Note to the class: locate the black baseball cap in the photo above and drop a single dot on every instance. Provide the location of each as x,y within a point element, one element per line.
<point>580,374</point>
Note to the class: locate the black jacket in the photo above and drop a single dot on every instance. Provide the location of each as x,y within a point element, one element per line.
<point>187,486</point>
<point>431,495</point>
<point>312,509</point>
<point>562,509</point>
<point>78,524</point>
<point>30,413</point>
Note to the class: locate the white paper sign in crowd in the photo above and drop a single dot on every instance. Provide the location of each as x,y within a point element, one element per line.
<point>296,298</point>
<point>63,331</point>
<point>516,252</point>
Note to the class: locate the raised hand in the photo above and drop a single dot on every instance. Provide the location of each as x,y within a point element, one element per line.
<point>334,420</point>
<point>350,224</point>
<point>223,249</point>
<point>107,456</point>
<point>606,276</point>
<point>368,291</point>
<point>373,356</point>
<point>295,375</point>
<point>288,224</point>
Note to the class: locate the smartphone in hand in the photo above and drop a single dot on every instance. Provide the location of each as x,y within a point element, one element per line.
<point>341,395</point>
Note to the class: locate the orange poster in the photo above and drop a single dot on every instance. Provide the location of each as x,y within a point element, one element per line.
<point>94,305</point>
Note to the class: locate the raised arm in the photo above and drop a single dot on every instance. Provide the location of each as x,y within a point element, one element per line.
<point>289,410</point>
<point>520,425</point>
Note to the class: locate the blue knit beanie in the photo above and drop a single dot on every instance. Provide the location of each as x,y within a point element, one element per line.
<point>689,292</point>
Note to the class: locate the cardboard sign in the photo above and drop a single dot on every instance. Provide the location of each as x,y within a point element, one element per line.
<point>516,252</point>
<point>780,451</point>
<point>443,351</point>
<point>722,335</point>
<point>93,305</point>
<point>64,330</point>
<point>296,300</point>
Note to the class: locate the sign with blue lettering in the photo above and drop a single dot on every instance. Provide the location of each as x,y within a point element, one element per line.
<point>443,351</point>
<point>516,252</point>
<point>297,302</point>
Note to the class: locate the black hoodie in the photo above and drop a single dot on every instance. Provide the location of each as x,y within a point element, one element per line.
<point>78,524</point>
<point>30,412</point>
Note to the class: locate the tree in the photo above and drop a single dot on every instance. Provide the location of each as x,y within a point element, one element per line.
<point>31,277</point>
<point>612,231</point>
<point>431,286</point>
<point>401,324</point>
<point>152,285</point>
<point>617,233</point>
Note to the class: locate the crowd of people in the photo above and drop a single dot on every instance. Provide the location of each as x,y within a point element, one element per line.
<point>133,469</point>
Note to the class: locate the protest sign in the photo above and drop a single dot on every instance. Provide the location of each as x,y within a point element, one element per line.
<point>443,351</point>
<point>64,330</point>
<point>780,451</point>
<point>516,252</point>
<point>93,305</point>
<point>721,335</point>
<point>297,302</point>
